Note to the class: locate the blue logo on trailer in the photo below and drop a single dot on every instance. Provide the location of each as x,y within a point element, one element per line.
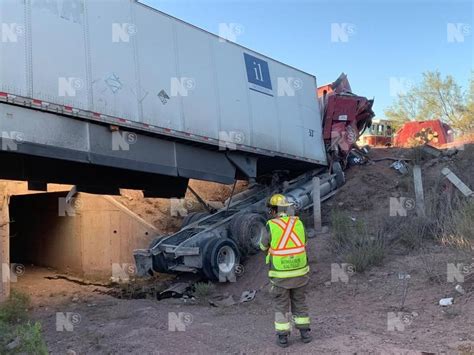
<point>258,74</point>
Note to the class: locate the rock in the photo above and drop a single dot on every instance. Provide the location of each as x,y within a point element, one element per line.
<point>460,289</point>
<point>327,283</point>
<point>14,344</point>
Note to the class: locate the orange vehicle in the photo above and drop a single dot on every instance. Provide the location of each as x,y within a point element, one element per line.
<point>380,133</point>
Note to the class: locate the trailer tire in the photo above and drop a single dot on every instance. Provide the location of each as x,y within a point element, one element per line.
<point>246,230</point>
<point>340,176</point>
<point>193,217</point>
<point>221,258</point>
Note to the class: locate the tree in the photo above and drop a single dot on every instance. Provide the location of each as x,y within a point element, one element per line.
<point>436,98</point>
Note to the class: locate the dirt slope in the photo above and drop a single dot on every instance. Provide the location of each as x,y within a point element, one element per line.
<point>166,214</point>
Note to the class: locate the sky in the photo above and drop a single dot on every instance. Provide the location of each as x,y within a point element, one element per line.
<point>383,46</point>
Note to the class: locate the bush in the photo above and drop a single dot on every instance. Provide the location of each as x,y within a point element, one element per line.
<point>14,327</point>
<point>458,227</point>
<point>31,340</point>
<point>355,243</point>
<point>15,309</point>
<point>411,231</point>
<point>203,289</point>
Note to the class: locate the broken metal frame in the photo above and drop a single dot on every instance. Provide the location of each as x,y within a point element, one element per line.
<point>182,251</point>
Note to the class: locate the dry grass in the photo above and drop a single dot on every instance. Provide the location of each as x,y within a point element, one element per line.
<point>202,290</point>
<point>458,228</point>
<point>357,244</point>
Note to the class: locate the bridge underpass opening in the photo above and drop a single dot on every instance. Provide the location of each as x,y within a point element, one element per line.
<point>91,238</point>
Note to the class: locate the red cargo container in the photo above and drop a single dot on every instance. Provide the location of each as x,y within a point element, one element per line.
<point>432,132</point>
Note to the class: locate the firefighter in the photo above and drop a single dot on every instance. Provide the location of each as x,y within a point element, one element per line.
<point>286,245</point>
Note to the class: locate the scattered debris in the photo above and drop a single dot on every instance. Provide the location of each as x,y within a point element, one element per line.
<point>247,296</point>
<point>460,289</point>
<point>457,182</point>
<point>431,150</point>
<point>222,301</point>
<point>400,166</point>
<point>446,301</point>
<point>175,290</point>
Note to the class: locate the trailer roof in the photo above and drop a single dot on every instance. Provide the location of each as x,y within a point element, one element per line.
<point>217,36</point>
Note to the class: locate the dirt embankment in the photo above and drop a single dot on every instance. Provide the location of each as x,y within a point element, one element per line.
<point>369,187</point>
<point>166,214</point>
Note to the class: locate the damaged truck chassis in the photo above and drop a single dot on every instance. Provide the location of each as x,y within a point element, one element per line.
<point>214,244</point>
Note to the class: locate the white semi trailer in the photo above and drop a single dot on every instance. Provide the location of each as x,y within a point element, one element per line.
<point>86,65</point>
<point>110,94</point>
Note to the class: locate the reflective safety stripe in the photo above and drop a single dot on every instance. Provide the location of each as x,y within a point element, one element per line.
<point>288,232</point>
<point>282,326</point>
<point>289,251</point>
<point>262,247</point>
<point>290,273</point>
<point>301,320</point>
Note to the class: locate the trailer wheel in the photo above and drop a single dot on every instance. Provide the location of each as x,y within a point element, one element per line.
<point>247,230</point>
<point>193,217</point>
<point>221,258</point>
<point>340,177</point>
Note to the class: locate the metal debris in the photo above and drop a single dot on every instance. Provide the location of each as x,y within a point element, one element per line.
<point>400,166</point>
<point>247,296</point>
<point>175,290</point>
<point>222,301</point>
<point>431,150</point>
<point>460,289</point>
<point>446,301</point>
<point>457,182</point>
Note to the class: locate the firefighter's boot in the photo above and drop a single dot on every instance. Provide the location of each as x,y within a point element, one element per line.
<point>282,340</point>
<point>305,336</point>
